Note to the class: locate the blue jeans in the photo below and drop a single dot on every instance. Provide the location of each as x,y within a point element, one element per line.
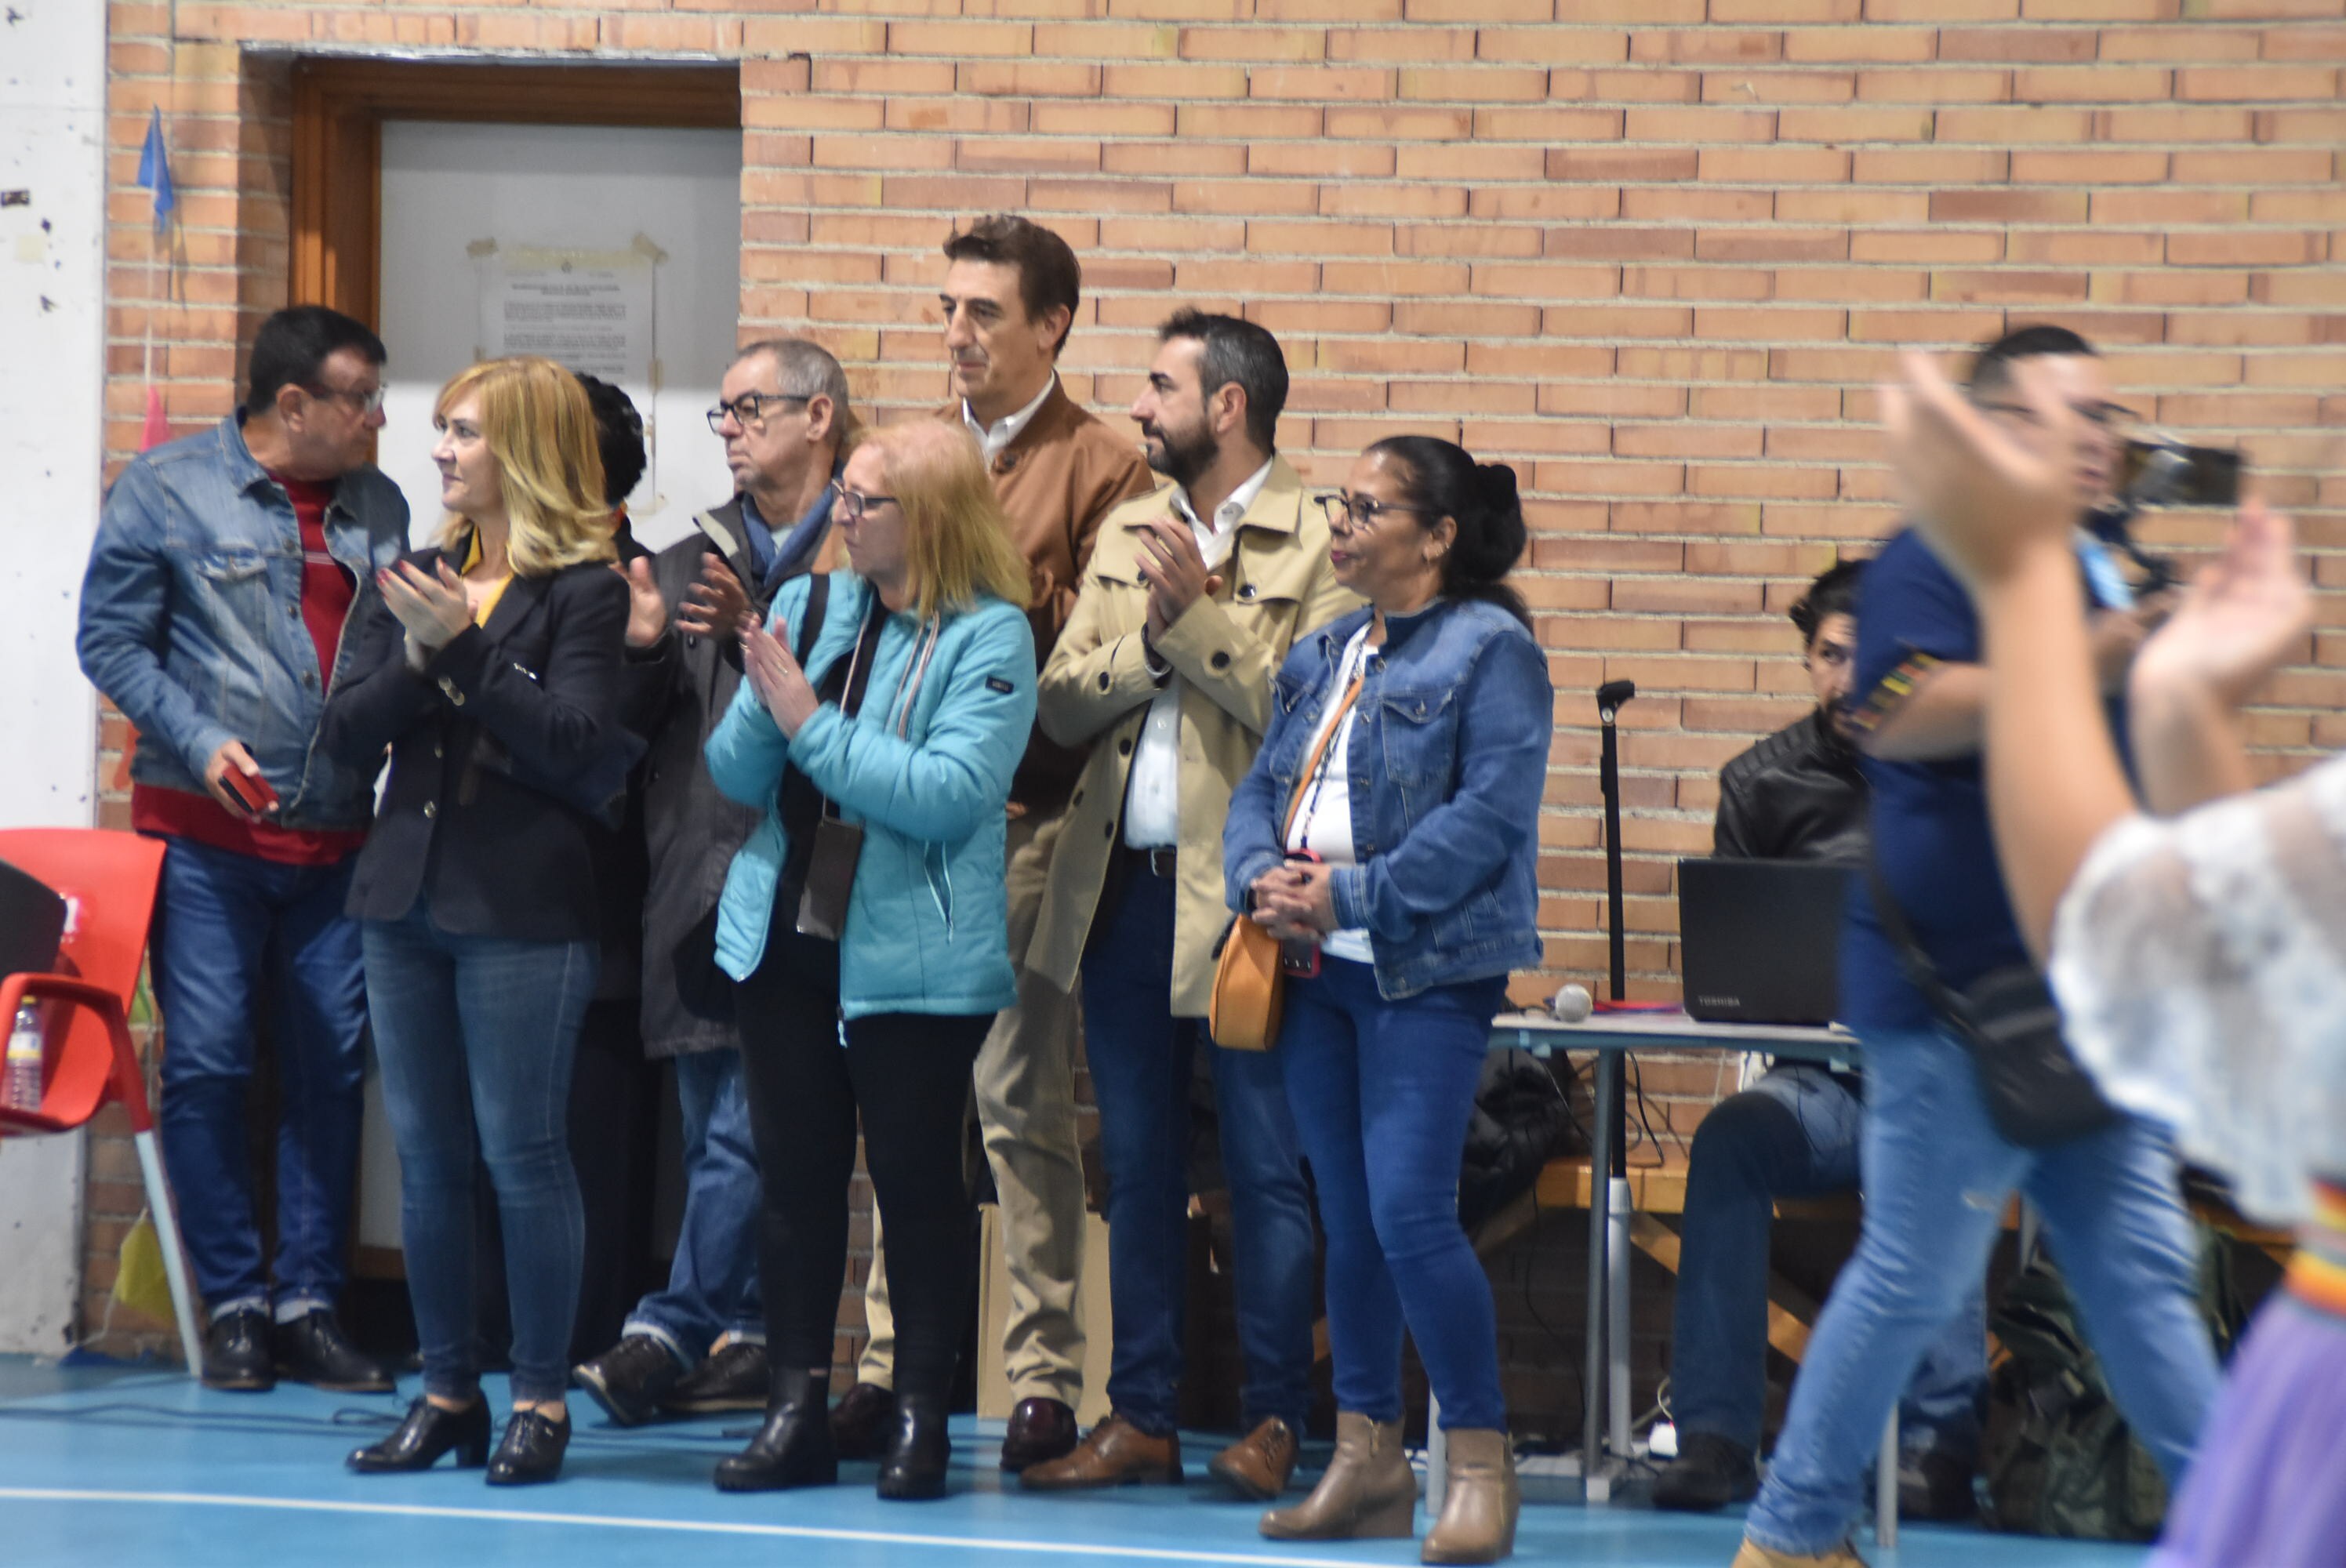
<point>713,1287</point>
<point>1397,1078</point>
<point>1140,1057</point>
<point>1937,1177</point>
<point>1794,1134</point>
<point>235,934</point>
<point>478,1032</point>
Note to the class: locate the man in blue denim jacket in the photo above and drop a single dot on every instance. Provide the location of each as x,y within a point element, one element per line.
<point>226,569</point>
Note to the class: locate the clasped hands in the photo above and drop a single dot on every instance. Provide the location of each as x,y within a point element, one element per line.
<point>1295,901</point>
<point>430,606</point>
<point>774,674</point>
<point>1174,570</point>
<point>1997,510</point>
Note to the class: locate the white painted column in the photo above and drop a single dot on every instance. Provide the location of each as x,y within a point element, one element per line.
<point>52,399</point>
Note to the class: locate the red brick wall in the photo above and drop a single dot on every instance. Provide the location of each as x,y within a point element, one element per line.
<point>1653,252</point>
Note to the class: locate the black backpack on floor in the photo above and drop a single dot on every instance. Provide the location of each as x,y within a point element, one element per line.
<point>2059,1459</point>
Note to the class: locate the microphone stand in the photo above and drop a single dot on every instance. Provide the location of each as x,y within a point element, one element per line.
<point>1607,1371</point>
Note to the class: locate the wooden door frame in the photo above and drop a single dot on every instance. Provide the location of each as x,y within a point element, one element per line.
<point>340,105</point>
<point>339,108</point>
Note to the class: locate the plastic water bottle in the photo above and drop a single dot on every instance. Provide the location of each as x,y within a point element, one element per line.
<point>20,1089</point>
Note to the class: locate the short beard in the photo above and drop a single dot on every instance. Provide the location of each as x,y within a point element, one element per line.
<point>1182,463</point>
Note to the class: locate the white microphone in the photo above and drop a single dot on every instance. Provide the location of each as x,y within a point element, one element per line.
<point>1572,1003</point>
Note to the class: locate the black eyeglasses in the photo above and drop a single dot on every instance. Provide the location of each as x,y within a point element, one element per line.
<point>851,505</point>
<point>749,408</point>
<point>1358,511</point>
<point>367,401</point>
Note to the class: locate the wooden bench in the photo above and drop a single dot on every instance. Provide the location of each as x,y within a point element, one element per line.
<point>1654,1192</point>
<point>1658,1191</point>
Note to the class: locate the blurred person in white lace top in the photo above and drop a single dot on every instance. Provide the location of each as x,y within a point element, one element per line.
<point>2195,937</point>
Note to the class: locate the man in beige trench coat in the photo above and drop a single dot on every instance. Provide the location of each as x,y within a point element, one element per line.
<point>1192,598</point>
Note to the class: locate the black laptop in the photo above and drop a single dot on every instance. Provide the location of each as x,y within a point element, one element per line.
<point>32,922</point>
<point>1761,940</point>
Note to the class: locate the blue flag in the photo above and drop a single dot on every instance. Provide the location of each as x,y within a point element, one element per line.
<point>154,167</point>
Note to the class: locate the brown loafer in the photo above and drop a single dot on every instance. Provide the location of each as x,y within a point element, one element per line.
<point>1115,1453</point>
<point>1260,1464</point>
<point>1040,1429</point>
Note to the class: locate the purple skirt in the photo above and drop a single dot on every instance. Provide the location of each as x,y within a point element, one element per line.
<point>2269,1485</point>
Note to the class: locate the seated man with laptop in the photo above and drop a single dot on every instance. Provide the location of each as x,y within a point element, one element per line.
<point>1760,937</point>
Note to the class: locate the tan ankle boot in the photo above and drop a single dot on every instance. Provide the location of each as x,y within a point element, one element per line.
<point>1754,1556</point>
<point>1479,1503</point>
<point>1367,1488</point>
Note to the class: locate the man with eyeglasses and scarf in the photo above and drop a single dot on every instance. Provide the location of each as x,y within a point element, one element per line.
<point>699,1346</point>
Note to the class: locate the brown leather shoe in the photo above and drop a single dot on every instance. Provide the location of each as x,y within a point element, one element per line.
<point>1260,1464</point>
<point>1115,1453</point>
<point>1040,1429</point>
<point>860,1420</point>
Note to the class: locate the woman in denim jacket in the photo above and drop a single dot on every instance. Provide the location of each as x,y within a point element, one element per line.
<point>1390,820</point>
<point>867,979</point>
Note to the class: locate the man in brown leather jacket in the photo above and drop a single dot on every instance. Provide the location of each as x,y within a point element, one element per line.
<point>1009,299</point>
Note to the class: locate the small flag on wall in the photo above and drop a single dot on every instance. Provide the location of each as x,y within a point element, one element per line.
<point>154,175</point>
<point>155,168</point>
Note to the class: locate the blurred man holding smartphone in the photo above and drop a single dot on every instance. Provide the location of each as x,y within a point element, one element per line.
<point>226,568</point>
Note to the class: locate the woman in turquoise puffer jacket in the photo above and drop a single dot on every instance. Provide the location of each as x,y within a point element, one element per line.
<point>866,923</point>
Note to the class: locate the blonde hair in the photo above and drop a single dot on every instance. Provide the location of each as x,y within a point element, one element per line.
<point>540,428</point>
<point>957,541</point>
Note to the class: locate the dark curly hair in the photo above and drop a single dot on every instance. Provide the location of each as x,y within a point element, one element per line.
<point>1835,592</point>
<point>619,431</point>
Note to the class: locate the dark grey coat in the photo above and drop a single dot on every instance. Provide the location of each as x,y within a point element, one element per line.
<point>674,692</point>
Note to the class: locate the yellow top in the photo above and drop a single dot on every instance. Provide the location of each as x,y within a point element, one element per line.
<point>495,591</point>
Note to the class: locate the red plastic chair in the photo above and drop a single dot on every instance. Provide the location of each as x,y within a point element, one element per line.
<point>108,880</point>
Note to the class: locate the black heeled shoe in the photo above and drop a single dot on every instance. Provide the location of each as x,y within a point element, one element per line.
<point>917,1450</point>
<point>429,1432</point>
<point>532,1450</point>
<point>793,1448</point>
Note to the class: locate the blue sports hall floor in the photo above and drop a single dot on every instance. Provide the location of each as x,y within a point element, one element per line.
<point>115,1467</point>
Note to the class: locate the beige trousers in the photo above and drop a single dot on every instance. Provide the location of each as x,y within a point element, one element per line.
<point>1025,1084</point>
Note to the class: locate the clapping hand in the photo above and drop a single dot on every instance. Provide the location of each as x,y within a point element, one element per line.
<point>433,608</point>
<point>717,605</point>
<point>2238,621</point>
<point>1986,502</point>
<point>779,681</point>
<point>646,609</point>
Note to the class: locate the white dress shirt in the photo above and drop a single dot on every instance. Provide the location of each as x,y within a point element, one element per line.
<point>992,438</point>
<point>1152,795</point>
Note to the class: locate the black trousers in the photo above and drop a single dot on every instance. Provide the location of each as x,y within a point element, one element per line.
<point>908,1076</point>
<point>615,1106</point>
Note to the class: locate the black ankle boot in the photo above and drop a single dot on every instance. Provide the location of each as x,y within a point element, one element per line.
<point>429,1432</point>
<point>793,1448</point>
<point>532,1450</point>
<point>915,1449</point>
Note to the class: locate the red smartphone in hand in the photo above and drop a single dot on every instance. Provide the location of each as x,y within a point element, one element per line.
<point>250,790</point>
